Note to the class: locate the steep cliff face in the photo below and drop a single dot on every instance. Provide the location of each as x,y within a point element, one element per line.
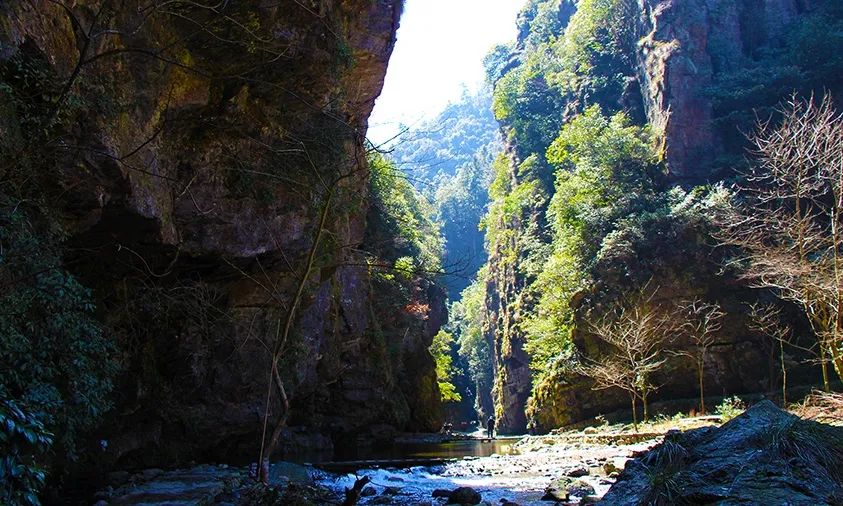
<point>682,46</point>
<point>210,173</point>
<point>696,73</point>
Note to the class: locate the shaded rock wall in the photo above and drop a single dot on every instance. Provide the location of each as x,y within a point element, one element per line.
<point>682,46</point>
<point>191,180</point>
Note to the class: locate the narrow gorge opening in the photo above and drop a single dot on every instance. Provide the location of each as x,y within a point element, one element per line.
<point>422,252</point>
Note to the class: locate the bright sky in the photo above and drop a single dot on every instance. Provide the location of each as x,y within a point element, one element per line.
<point>440,49</point>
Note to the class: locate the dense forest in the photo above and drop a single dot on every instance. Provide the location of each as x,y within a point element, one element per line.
<point>205,262</point>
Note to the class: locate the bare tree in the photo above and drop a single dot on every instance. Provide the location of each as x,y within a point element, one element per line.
<point>766,320</point>
<point>635,336</point>
<point>786,221</point>
<point>700,322</point>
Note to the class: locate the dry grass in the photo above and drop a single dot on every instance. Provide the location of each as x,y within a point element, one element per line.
<point>819,447</point>
<point>825,407</point>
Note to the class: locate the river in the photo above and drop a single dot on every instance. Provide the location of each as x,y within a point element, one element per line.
<point>504,469</point>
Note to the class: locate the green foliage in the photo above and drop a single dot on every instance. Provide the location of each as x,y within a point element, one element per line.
<point>24,441</point>
<point>529,107</point>
<point>461,202</point>
<point>467,322</point>
<point>730,408</point>
<point>464,131</point>
<point>53,355</point>
<point>442,350</point>
<point>605,175</point>
<point>597,50</point>
<point>448,160</point>
<point>400,222</point>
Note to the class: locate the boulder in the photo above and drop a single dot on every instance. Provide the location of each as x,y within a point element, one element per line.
<point>764,456</point>
<point>464,495</point>
<point>580,488</point>
<point>578,472</point>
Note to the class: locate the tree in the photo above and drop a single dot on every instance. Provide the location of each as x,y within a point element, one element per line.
<point>441,349</point>
<point>786,220</point>
<point>635,336</point>
<point>701,321</point>
<point>467,321</point>
<point>766,319</point>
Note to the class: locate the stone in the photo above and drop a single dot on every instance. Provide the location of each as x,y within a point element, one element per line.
<point>778,456</point>
<point>391,491</point>
<point>441,492</point>
<point>117,478</point>
<point>578,472</point>
<point>580,488</point>
<point>368,492</point>
<point>555,496</point>
<point>464,495</point>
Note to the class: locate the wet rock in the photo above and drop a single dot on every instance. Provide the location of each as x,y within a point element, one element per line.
<point>764,456</point>
<point>580,488</point>
<point>590,430</point>
<point>368,492</point>
<point>464,495</point>
<point>284,472</point>
<point>590,499</point>
<point>117,478</point>
<point>440,492</point>
<point>578,472</point>
<point>614,466</point>
<point>555,495</point>
<point>391,491</point>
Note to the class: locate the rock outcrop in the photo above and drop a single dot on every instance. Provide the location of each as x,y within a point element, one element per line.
<point>212,179</point>
<point>683,44</point>
<point>764,456</point>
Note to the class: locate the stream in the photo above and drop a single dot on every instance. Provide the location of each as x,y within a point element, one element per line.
<point>515,469</point>
<point>510,470</point>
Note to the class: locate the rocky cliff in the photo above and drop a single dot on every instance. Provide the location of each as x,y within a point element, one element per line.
<point>206,165</point>
<point>696,73</point>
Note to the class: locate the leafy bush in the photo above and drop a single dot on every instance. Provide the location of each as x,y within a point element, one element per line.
<point>400,220</point>
<point>730,408</point>
<point>53,355</point>
<point>442,350</point>
<point>23,442</point>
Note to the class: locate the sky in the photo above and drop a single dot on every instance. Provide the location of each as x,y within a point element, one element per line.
<point>439,50</point>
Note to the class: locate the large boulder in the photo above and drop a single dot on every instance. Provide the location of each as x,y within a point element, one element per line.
<point>764,456</point>
<point>464,495</point>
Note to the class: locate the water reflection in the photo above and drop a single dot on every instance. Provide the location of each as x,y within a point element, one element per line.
<point>413,452</point>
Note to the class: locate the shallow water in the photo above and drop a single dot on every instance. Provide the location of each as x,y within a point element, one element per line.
<point>411,452</point>
<point>409,473</point>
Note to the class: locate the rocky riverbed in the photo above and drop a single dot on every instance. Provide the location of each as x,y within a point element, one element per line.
<point>571,467</point>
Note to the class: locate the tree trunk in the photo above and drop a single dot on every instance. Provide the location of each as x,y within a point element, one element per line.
<point>824,367</point>
<point>646,407</point>
<point>634,414</point>
<point>701,371</point>
<point>784,374</point>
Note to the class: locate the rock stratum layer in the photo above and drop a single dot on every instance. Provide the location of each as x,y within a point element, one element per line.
<point>213,158</point>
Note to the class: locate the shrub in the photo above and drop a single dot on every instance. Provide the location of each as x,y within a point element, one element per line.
<point>730,408</point>
<point>23,442</point>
